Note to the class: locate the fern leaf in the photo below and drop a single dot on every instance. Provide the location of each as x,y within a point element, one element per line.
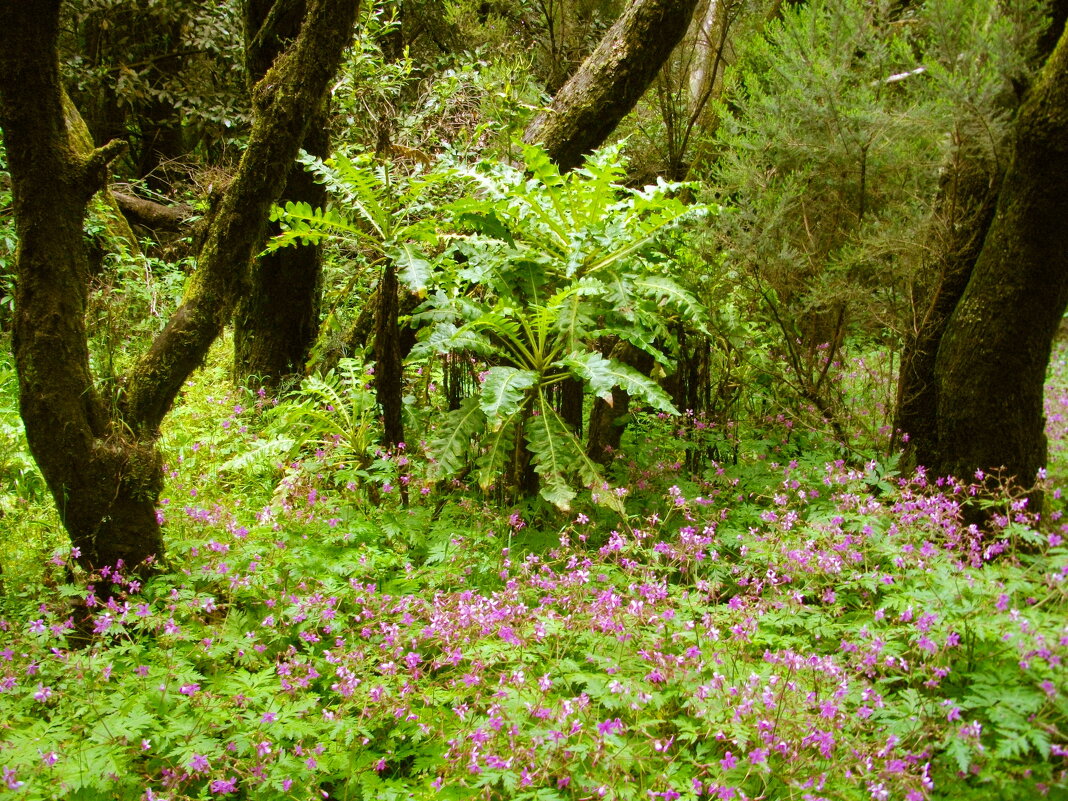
<point>264,454</point>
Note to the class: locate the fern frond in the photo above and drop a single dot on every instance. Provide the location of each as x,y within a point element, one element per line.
<point>265,454</point>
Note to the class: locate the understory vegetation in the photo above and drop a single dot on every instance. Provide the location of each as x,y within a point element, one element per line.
<point>783,624</point>
<point>589,486</point>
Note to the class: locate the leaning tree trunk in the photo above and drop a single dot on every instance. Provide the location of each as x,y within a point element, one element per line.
<point>610,82</point>
<point>276,323</point>
<point>992,361</point>
<point>101,462</point>
<point>296,82</point>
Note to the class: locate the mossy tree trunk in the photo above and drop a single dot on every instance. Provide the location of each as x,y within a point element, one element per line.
<point>99,456</point>
<point>104,482</point>
<point>963,212</point>
<point>114,221</point>
<point>275,325</point>
<point>991,362</point>
<point>296,83</point>
<point>610,82</point>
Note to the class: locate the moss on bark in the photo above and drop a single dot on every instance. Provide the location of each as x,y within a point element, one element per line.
<point>103,469</point>
<point>610,82</point>
<point>296,82</point>
<point>992,360</point>
<point>276,323</point>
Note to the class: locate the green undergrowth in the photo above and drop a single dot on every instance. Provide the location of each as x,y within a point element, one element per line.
<point>333,624</point>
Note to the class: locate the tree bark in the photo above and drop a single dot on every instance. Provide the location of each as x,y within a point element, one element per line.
<point>389,363</point>
<point>991,363</point>
<point>276,323</point>
<point>297,82</point>
<point>104,483</point>
<point>611,81</point>
<point>152,215</point>
<point>963,212</point>
<point>99,458</point>
<point>113,220</point>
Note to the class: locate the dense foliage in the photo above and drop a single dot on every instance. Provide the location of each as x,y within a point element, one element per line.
<point>748,596</point>
<point>781,628</point>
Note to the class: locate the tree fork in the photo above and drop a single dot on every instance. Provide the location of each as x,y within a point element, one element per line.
<point>104,471</point>
<point>103,482</point>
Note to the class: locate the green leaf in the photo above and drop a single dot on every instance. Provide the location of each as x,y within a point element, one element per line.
<point>486,222</point>
<point>550,462</point>
<point>504,391</point>
<point>499,446</point>
<point>666,292</point>
<point>453,445</point>
<point>603,375</point>
<point>447,338</point>
<point>559,454</point>
<point>413,268</point>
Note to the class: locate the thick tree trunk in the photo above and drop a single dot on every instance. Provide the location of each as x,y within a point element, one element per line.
<point>991,364</point>
<point>570,402</point>
<point>104,484</point>
<point>963,213</point>
<point>275,325</point>
<point>103,470</point>
<point>611,81</point>
<point>964,210</point>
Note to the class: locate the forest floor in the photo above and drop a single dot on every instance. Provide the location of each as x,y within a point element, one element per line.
<point>332,624</point>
